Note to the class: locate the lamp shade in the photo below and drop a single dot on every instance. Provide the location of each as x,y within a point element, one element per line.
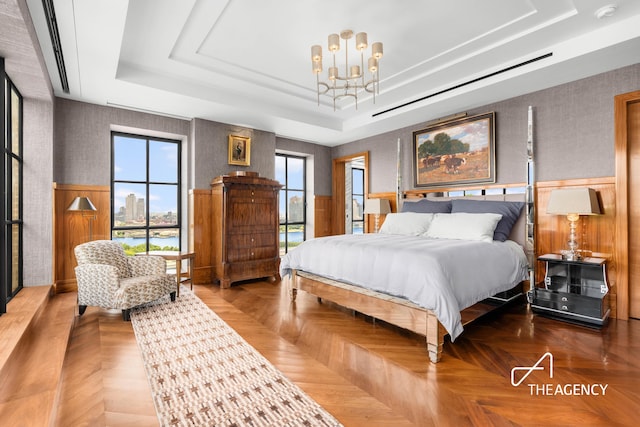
<point>377,206</point>
<point>581,201</point>
<point>81,204</point>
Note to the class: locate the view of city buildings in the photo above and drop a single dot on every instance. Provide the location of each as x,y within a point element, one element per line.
<point>296,210</point>
<point>133,213</point>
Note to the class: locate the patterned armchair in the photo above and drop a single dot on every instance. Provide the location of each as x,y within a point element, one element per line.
<point>108,278</point>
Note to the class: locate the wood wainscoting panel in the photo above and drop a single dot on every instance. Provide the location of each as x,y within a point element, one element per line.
<point>72,228</point>
<point>596,233</point>
<point>322,215</point>
<point>200,212</point>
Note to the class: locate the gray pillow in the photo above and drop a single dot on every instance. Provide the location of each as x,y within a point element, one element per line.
<point>510,212</point>
<point>427,206</point>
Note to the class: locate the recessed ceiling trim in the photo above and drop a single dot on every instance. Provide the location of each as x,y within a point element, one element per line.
<point>477,79</point>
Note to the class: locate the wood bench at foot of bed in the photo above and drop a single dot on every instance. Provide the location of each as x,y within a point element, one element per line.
<point>393,310</point>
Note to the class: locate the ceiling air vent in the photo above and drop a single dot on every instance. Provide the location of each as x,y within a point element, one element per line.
<point>50,16</point>
<point>477,79</point>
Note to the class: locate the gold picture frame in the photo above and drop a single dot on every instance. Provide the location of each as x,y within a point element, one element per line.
<point>456,152</point>
<point>239,150</point>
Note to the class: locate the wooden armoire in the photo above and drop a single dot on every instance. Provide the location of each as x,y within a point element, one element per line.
<point>245,228</point>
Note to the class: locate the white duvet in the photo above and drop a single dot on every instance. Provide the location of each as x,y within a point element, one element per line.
<point>442,275</point>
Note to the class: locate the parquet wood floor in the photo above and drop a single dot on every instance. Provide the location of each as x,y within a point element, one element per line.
<point>371,374</point>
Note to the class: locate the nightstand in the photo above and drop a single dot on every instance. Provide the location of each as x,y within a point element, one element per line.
<point>573,291</point>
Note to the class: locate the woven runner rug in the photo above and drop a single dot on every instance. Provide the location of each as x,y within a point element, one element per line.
<point>202,373</point>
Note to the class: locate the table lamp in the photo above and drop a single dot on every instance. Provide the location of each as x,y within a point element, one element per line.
<point>377,207</point>
<point>573,202</point>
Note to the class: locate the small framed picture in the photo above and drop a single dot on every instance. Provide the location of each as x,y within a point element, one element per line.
<point>239,150</point>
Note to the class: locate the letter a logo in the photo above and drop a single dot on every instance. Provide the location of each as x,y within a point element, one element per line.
<point>529,369</point>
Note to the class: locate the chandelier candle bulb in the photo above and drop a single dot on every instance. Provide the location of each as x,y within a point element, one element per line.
<point>316,53</point>
<point>334,43</point>
<point>355,71</point>
<point>361,41</point>
<point>376,49</point>
<point>373,64</point>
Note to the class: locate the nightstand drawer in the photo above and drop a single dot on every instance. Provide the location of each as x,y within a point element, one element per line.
<point>573,303</point>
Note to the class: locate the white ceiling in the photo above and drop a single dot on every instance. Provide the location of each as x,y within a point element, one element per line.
<point>247,62</point>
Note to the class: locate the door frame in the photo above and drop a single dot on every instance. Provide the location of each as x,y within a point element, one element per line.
<point>339,189</point>
<point>622,193</point>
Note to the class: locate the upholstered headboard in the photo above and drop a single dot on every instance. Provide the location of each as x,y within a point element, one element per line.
<point>518,232</point>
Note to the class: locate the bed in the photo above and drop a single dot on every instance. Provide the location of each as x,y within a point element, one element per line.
<point>427,264</point>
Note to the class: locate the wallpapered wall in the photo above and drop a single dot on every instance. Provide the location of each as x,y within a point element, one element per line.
<point>38,201</point>
<point>321,162</point>
<point>82,142</point>
<point>82,145</point>
<point>211,151</point>
<point>574,136</point>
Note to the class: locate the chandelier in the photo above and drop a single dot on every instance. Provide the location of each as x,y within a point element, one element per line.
<point>353,78</point>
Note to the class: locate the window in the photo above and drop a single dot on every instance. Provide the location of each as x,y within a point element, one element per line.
<point>357,196</point>
<point>11,202</point>
<point>290,172</point>
<point>145,192</point>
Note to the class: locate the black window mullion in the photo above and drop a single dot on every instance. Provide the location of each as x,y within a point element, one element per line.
<point>147,192</point>
<point>10,217</point>
<point>286,191</point>
<point>4,271</point>
<point>286,204</point>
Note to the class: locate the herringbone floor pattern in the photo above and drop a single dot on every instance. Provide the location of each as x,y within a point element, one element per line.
<point>370,374</point>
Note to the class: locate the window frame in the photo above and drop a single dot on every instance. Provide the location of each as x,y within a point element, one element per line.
<point>284,193</point>
<point>147,182</point>
<point>7,244</point>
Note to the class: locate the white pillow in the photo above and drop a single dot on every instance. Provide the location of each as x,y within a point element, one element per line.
<point>406,223</point>
<point>464,226</point>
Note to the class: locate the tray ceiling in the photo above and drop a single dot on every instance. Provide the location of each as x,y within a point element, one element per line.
<point>248,63</point>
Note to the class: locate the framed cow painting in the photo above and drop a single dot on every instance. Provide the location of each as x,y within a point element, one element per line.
<point>455,152</point>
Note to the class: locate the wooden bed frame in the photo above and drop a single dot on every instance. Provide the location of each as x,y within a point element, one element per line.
<point>395,311</point>
<point>398,311</point>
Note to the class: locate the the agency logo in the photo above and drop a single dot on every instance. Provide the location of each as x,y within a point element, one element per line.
<point>545,363</point>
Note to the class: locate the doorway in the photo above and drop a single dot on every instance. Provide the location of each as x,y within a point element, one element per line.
<point>354,191</point>
<point>343,191</point>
